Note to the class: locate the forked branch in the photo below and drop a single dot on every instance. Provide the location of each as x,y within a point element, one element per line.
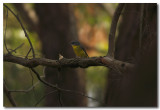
<point>25,32</point>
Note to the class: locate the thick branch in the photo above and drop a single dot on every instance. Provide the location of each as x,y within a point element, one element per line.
<point>113,30</point>
<point>73,62</point>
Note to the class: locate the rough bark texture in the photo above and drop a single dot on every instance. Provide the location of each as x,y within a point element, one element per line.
<point>137,87</point>
<point>55,34</point>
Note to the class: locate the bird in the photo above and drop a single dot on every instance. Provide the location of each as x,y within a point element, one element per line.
<point>79,49</point>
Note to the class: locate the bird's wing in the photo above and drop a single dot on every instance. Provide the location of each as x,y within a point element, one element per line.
<point>84,50</point>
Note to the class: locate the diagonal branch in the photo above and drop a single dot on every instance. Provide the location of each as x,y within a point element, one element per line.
<point>25,32</point>
<point>5,33</point>
<point>9,95</point>
<point>28,53</point>
<point>60,98</point>
<point>44,97</point>
<point>60,89</point>
<point>82,94</point>
<point>113,30</point>
<point>43,81</point>
<point>16,48</point>
<point>25,91</point>
<point>25,13</point>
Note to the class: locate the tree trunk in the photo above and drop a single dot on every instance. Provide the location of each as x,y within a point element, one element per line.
<point>136,43</point>
<point>56,32</point>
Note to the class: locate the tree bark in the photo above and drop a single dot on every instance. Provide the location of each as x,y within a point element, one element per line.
<point>137,87</point>
<point>55,33</point>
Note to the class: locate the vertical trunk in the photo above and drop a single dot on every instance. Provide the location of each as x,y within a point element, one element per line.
<point>55,32</point>
<point>137,87</point>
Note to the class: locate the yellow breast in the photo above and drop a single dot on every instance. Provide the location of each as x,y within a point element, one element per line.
<point>79,51</point>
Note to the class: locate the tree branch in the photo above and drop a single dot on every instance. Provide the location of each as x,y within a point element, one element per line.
<point>43,81</point>
<point>61,89</point>
<point>16,48</point>
<point>73,62</point>
<point>28,53</point>
<point>113,30</point>
<point>26,16</point>
<point>25,32</point>
<point>141,25</point>
<point>9,95</point>
<point>107,61</point>
<point>25,91</point>
<point>44,97</point>
<point>5,45</point>
<point>60,98</point>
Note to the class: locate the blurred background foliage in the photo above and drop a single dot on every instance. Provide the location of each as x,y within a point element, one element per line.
<point>93,23</point>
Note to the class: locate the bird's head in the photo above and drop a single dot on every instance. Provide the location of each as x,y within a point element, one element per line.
<point>75,43</point>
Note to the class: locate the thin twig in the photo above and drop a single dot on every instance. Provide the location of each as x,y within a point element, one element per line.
<point>60,98</point>
<point>113,30</point>
<point>43,81</point>
<point>141,24</point>
<point>28,53</point>
<point>60,89</point>
<point>59,92</point>
<point>82,94</point>
<point>26,91</point>
<point>9,95</point>
<point>32,85</point>
<point>5,33</point>
<point>44,97</point>
<point>16,48</point>
<point>25,32</point>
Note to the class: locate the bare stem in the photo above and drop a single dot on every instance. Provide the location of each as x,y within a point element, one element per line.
<point>9,96</point>
<point>60,89</point>
<point>28,53</point>
<point>44,97</point>
<point>5,33</point>
<point>141,25</point>
<point>113,30</point>
<point>26,91</point>
<point>16,48</point>
<point>25,32</point>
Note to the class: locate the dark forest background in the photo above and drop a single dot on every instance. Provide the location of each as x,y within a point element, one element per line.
<point>53,26</point>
